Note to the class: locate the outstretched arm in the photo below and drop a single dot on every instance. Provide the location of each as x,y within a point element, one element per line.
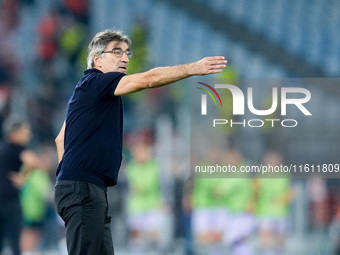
<point>161,76</point>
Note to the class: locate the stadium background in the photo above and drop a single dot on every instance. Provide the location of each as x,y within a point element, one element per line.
<point>42,54</point>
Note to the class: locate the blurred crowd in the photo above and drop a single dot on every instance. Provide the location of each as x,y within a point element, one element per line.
<point>36,87</point>
<point>34,90</point>
<point>246,215</point>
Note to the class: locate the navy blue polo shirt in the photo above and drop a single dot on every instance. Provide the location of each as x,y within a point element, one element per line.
<point>94,130</point>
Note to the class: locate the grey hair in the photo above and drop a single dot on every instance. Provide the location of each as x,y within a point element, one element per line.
<point>100,42</point>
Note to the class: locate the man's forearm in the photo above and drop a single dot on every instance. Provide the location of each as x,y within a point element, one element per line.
<point>60,143</point>
<point>165,75</point>
<point>60,150</point>
<point>161,76</point>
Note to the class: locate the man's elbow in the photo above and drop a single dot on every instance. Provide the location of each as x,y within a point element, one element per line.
<point>151,80</point>
<point>59,140</point>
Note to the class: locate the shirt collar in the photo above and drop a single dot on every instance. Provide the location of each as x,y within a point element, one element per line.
<point>92,70</point>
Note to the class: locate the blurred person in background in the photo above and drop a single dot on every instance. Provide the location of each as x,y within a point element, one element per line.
<point>144,201</point>
<point>239,202</point>
<point>15,163</point>
<point>34,198</point>
<point>274,196</point>
<point>207,210</point>
<point>183,212</point>
<point>89,144</point>
<point>208,216</point>
<point>334,233</point>
<point>319,203</point>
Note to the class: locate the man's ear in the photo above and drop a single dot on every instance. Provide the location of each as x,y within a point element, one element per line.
<point>96,60</point>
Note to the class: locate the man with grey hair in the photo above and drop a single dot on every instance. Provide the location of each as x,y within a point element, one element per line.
<point>89,144</point>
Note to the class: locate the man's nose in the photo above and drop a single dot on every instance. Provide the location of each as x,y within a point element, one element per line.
<point>125,58</point>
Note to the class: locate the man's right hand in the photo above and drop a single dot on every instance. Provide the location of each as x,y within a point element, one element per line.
<point>208,65</point>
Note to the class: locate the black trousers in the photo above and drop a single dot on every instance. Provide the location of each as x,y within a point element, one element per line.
<point>10,225</point>
<point>84,208</point>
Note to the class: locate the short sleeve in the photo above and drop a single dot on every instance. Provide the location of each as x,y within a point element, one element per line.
<point>105,84</point>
